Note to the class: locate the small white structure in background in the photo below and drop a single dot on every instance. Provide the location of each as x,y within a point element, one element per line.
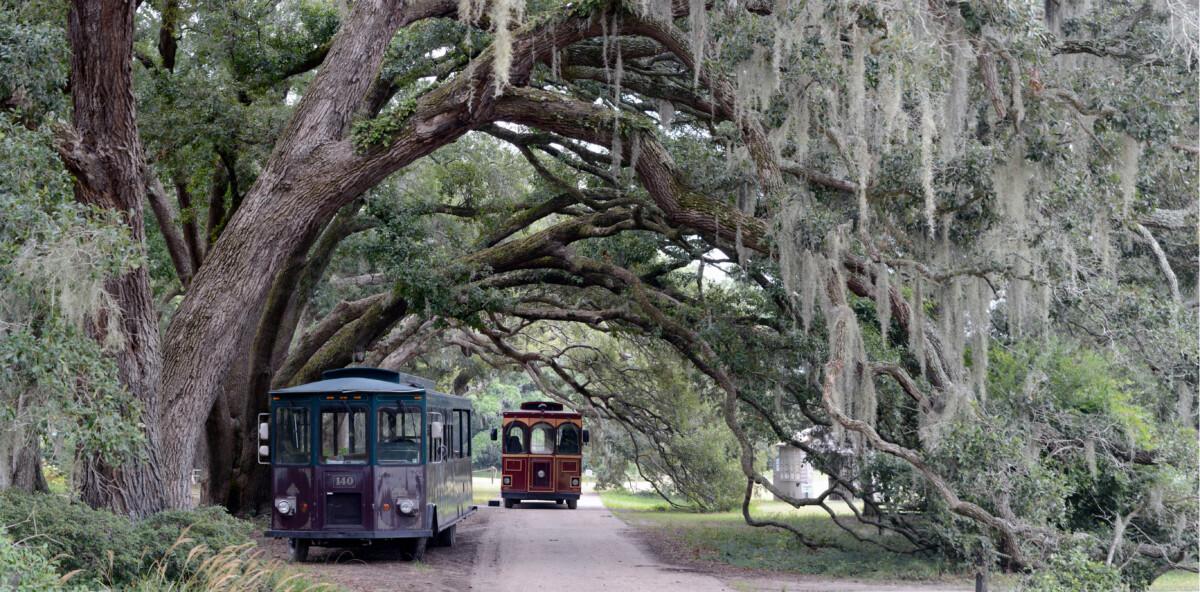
<point>793,474</point>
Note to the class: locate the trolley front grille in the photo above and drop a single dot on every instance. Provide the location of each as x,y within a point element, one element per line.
<point>542,474</point>
<point>343,508</point>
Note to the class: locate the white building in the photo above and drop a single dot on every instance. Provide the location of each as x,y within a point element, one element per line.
<point>794,475</point>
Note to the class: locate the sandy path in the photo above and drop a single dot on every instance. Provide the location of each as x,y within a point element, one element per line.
<point>547,547</point>
<point>542,546</point>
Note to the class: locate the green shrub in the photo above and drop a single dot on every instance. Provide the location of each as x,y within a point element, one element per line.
<point>211,527</point>
<point>101,545</point>
<point>1073,571</point>
<point>107,549</point>
<point>26,568</point>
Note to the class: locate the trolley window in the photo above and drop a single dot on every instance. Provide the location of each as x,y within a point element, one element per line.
<point>453,434</point>
<point>437,434</point>
<point>514,439</point>
<point>344,435</point>
<point>541,439</point>
<point>293,436</point>
<point>398,437</point>
<point>568,439</point>
<point>464,432</point>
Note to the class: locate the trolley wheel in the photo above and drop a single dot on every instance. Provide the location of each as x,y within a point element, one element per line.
<point>445,538</point>
<point>297,550</point>
<point>572,504</point>
<point>508,503</point>
<point>418,548</point>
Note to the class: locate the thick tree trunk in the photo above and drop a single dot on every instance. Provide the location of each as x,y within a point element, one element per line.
<point>314,170</point>
<point>105,154</point>
<point>20,455</point>
<point>221,439</point>
<point>249,486</point>
<point>304,182</point>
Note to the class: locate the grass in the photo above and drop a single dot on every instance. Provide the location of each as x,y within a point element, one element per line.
<point>484,487</point>
<point>725,538</point>
<point>239,568</point>
<point>1177,581</point>
<point>633,502</point>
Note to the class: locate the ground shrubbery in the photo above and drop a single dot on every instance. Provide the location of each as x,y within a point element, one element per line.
<point>26,568</point>
<point>49,535</point>
<point>1074,571</point>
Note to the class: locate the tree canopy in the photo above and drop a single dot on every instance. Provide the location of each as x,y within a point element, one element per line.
<point>952,244</point>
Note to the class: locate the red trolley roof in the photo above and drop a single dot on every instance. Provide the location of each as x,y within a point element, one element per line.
<point>542,409</point>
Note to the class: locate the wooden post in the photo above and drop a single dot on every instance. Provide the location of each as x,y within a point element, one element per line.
<point>981,581</point>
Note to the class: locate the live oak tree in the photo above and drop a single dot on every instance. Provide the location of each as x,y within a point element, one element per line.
<point>957,240</point>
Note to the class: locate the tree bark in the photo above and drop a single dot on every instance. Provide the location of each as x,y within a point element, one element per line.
<point>181,258</point>
<point>191,233</point>
<point>105,154</point>
<point>314,169</point>
<point>20,454</point>
<point>246,488</point>
<point>353,337</point>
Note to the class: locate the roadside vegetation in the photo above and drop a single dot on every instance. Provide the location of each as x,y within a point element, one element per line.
<point>48,542</point>
<point>724,538</point>
<point>485,486</point>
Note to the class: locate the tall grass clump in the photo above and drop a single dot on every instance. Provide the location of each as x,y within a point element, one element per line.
<point>236,568</point>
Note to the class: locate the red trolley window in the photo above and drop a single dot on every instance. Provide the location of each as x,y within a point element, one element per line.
<point>568,439</point>
<point>514,439</point>
<point>541,439</point>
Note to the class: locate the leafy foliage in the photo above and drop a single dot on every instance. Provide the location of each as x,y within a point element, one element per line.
<point>54,259</point>
<point>111,550</point>
<point>25,567</point>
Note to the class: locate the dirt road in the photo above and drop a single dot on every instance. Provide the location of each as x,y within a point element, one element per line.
<point>548,547</point>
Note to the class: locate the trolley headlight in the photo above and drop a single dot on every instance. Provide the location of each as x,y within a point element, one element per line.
<point>406,507</point>
<point>286,506</point>
<point>507,480</point>
<point>574,481</point>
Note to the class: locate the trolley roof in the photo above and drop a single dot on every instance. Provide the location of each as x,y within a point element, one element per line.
<point>542,409</point>
<point>361,380</point>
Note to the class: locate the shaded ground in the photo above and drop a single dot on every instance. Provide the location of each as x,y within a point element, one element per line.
<point>373,569</point>
<point>668,549</point>
<point>748,558</point>
<point>547,547</point>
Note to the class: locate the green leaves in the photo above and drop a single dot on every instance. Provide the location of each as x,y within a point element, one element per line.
<point>55,257</point>
<point>381,130</point>
<point>33,65</point>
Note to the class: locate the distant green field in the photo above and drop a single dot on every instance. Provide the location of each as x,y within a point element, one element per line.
<point>726,538</point>
<point>1177,581</point>
<point>484,487</point>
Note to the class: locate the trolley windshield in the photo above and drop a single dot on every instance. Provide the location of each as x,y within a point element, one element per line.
<point>399,435</point>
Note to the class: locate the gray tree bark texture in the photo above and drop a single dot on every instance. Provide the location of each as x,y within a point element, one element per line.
<point>103,150</point>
